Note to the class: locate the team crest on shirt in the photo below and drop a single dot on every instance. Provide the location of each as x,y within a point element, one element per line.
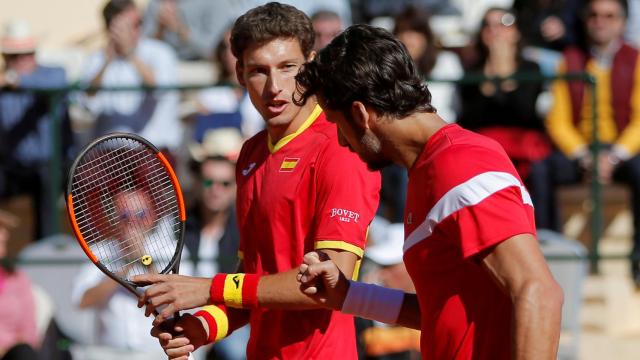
<point>289,164</point>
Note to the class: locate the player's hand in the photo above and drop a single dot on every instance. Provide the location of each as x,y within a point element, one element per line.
<point>321,279</point>
<point>177,292</point>
<point>192,334</point>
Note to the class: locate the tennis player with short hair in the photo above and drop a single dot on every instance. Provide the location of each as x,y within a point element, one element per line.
<point>483,288</point>
<point>298,190</point>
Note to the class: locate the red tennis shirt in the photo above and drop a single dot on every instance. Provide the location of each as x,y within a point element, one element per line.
<point>305,192</point>
<point>464,198</point>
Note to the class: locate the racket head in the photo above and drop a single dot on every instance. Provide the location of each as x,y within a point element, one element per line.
<point>126,208</point>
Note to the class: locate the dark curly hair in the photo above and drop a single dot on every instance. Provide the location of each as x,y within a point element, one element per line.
<point>271,21</point>
<point>366,64</point>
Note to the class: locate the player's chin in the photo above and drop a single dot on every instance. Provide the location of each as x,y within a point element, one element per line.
<point>377,164</point>
<point>279,119</point>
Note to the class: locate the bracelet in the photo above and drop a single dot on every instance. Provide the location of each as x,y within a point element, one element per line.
<point>373,302</point>
<point>235,290</point>
<point>216,318</point>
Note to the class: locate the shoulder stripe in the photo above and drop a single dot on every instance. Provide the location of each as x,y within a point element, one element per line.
<point>469,193</point>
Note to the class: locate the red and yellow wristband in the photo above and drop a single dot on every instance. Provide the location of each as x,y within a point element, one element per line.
<point>217,320</point>
<point>235,290</point>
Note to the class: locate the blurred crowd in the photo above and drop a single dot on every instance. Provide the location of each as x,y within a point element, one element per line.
<point>502,49</point>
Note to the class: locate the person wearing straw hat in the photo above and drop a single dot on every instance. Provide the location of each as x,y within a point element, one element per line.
<point>25,120</point>
<point>18,333</point>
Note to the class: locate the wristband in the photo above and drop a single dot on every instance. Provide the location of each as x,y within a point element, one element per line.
<point>235,290</point>
<point>216,318</point>
<point>373,302</point>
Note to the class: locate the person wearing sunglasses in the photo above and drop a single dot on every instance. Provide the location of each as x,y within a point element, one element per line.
<point>614,65</point>
<point>120,327</point>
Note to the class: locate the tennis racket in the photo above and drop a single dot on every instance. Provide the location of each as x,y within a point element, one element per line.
<point>126,208</point>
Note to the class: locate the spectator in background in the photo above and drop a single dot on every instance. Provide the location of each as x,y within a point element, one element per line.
<point>340,7</point>
<point>413,30</point>
<point>632,34</point>
<point>614,64</point>
<point>383,266</point>
<point>191,27</point>
<point>548,24</point>
<point>326,24</point>
<point>505,110</point>
<point>18,334</point>
<point>129,60</point>
<point>367,10</point>
<point>25,122</point>
<point>212,236</point>
<point>120,325</point>
<point>226,104</point>
<point>547,27</point>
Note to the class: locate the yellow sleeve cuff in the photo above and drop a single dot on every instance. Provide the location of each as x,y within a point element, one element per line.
<point>339,245</point>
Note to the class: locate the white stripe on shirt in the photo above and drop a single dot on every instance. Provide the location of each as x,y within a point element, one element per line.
<point>469,193</point>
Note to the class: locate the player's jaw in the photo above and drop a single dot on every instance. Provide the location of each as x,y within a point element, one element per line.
<point>371,152</point>
<point>366,145</point>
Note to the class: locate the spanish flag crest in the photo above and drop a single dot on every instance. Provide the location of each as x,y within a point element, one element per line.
<point>288,164</point>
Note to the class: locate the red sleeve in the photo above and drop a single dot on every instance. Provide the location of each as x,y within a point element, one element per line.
<point>493,220</point>
<point>347,199</point>
<point>482,197</point>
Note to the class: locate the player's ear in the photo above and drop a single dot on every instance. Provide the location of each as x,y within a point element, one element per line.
<point>361,115</point>
<point>312,55</point>
<point>239,74</point>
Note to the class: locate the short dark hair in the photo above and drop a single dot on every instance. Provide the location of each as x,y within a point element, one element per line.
<point>271,21</point>
<point>367,64</point>
<point>113,8</point>
<point>624,6</point>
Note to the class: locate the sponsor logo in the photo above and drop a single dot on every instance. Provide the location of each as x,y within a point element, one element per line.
<point>345,215</point>
<point>246,171</point>
<point>288,164</point>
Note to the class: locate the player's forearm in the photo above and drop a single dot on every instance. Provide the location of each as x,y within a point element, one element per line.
<point>274,291</point>
<point>538,308</point>
<point>282,290</point>
<point>410,312</point>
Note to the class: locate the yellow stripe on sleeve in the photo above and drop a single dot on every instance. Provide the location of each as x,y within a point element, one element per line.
<point>339,245</point>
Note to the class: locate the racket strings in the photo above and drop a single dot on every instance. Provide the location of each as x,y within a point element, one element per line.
<point>126,207</point>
